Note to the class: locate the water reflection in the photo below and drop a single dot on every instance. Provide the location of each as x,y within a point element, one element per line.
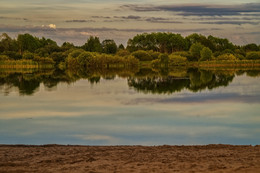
<point>143,80</point>
<point>148,107</point>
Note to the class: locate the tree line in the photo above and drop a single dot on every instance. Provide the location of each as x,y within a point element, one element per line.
<point>167,49</point>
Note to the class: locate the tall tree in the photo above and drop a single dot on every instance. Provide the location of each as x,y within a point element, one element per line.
<point>195,50</point>
<point>27,42</point>
<point>93,45</point>
<point>109,46</point>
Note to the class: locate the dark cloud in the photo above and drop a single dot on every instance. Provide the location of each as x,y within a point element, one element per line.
<point>147,19</point>
<point>200,10</point>
<point>230,22</point>
<point>112,20</point>
<point>128,17</point>
<point>11,28</point>
<point>13,18</point>
<point>225,18</point>
<point>161,20</point>
<point>79,21</point>
<point>101,17</point>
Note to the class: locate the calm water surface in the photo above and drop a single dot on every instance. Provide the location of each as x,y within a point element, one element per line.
<point>131,110</point>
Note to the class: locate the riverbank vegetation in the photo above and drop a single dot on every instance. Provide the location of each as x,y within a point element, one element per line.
<point>156,50</point>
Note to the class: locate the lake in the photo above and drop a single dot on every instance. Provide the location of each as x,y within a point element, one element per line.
<point>139,107</point>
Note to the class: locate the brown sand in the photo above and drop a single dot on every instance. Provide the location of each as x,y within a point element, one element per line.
<point>58,158</point>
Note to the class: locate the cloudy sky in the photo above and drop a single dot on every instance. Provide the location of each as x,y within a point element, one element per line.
<point>75,21</point>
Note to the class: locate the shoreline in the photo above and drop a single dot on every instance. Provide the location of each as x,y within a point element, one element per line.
<point>129,158</point>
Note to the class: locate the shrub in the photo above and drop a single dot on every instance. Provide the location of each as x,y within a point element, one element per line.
<point>176,60</point>
<point>123,52</point>
<point>227,56</point>
<point>85,59</point>
<point>253,55</point>
<point>154,55</point>
<point>75,53</point>
<point>205,54</point>
<point>131,61</point>
<point>28,55</point>
<point>3,57</point>
<point>241,52</point>
<point>184,54</point>
<point>240,57</point>
<point>226,51</point>
<point>142,55</point>
<point>58,56</point>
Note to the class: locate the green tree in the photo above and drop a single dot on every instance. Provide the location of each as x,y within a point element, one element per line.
<point>251,47</point>
<point>93,45</point>
<point>205,54</point>
<point>7,43</point>
<point>195,50</point>
<point>109,46</point>
<point>67,46</point>
<point>27,42</point>
<point>220,44</point>
<point>176,43</point>
<point>121,46</point>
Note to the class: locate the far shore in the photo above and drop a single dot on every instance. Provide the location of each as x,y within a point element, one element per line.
<point>166,158</point>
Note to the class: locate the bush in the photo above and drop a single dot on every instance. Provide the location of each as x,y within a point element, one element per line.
<point>177,60</point>
<point>13,55</point>
<point>226,51</point>
<point>58,56</point>
<point>3,57</point>
<point>28,55</point>
<point>154,55</point>
<point>85,59</point>
<point>75,53</point>
<point>142,55</point>
<point>253,55</point>
<point>241,52</point>
<point>205,54</point>
<point>227,56</point>
<point>123,52</point>
<point>240,57</point>
<point>184,54</point>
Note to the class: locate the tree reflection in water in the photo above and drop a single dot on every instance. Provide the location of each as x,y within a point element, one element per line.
<point>146,80</point>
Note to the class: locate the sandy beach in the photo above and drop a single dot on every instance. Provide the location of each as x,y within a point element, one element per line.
<point>61,158</point>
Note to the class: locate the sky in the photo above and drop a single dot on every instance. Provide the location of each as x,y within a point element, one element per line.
<point>74,21</point>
